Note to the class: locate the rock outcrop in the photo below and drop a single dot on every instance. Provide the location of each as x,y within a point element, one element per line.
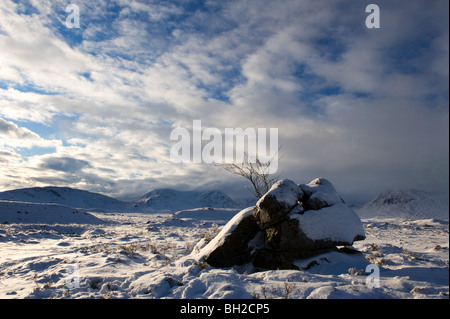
<point>289,222</point>
<point>232,247</point>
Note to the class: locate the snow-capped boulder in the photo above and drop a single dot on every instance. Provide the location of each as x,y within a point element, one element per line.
<point>289,222</point>
<point>328,227</point>
<point>322,221</point>
<point>274,206</point>
<point>231,246</point>
<point>320,193</point>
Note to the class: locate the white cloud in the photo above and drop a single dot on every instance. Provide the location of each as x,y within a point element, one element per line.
<point>123,87</point>
<point>20,137</point>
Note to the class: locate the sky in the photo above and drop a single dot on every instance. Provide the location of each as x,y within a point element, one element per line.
<point>93,107</point>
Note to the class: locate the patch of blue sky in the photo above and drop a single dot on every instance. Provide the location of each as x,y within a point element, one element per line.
<point>216,94</point>
<point>203,17</point>
<point>301,71</point>
<point>331,47</point>
<point>104,23</point>
<point>407,56</point>
<point>72,36</point>
<point>25,7</point>
<point>35,151</point>
<point>330,90</point>
<point>361,95</point>
<point>32,88</point>
<point>87,76</point>
<point>193,5</point>
<point>188,9</point>
<point>52,130</point>
<point>314,89</point>
<point>163,122</point>
<point>140,156</point>
<point>312,83</point>
<point>220,91</point>
<point>55,21</point>
<point>4,84</point>
<point>44,131</point>
<point>135,175</point>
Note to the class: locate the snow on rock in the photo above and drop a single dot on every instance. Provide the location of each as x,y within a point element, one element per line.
<point>320,221</point>
<point>321,193</point>
<point>279,229</point>
<point>230,246</point>
<point>336,223</point>
<point>277,202</point>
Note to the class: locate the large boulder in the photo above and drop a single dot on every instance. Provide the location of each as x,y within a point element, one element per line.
<point>231,246</point>
<point>319,193</point>
<point>289,222</point>
<point>328,227</point>
<point>322,221</point>
<point>274,206</point>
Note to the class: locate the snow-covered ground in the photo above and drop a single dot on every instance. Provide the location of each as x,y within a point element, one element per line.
<point>85,254</point>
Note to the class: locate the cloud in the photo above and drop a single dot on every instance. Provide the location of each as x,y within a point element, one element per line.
<point>366,108</point>
<point>8,157</point>
<point>64,164</point>
<point>20,137</point>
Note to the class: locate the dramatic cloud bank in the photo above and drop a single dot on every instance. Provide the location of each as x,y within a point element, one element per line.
<point>93,107</point>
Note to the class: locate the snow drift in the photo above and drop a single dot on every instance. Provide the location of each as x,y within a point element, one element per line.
<point>21,212</point>
<point>65,196</point>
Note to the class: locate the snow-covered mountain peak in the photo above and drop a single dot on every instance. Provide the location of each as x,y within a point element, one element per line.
<point>408,203</point>
<point>171,199</point>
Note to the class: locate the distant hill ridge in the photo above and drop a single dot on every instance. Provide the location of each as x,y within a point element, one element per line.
<point>408,203</point>
<point>64,196</point>
<point>171,199</point>
<point>158,199</point>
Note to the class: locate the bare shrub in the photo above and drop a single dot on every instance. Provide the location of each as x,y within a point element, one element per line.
<point>256,172</point>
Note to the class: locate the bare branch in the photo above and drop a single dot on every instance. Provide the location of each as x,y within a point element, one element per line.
<point>256,172</point>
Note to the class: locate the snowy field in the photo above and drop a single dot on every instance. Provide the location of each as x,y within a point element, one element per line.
<point>81,254</point>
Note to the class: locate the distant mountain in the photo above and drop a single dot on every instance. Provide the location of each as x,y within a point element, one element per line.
<point>409,203</point>
<point>65,196</point>
<point>170,199</point>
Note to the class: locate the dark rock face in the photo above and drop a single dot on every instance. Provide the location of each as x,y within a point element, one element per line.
<point>277,203</point>
<point>290,239</point>
<point>292,221</point>
<point>271,259</point>
<point>234,250</point>
<point>315,203</point>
